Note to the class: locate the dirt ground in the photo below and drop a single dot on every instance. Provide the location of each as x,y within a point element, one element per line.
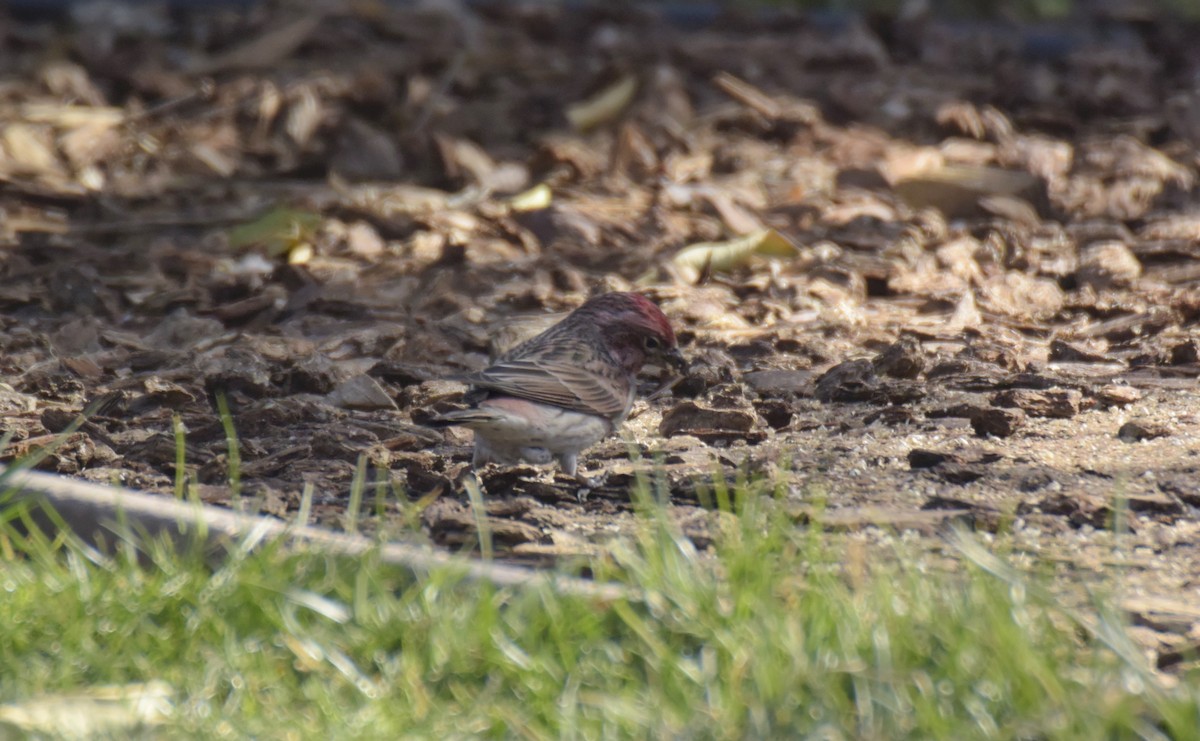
<point>928,272</point>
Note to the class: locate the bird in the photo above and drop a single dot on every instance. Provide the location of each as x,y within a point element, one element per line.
<point>562,391</point>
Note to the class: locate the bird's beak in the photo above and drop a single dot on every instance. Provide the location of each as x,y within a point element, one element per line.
<point>675,358</point>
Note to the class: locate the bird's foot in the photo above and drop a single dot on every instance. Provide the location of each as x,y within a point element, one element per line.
<point>589,484</point>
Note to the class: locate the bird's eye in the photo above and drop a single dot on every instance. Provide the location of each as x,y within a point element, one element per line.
<point>652,343</point>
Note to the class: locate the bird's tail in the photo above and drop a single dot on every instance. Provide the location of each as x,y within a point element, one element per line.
<point>459,418</point>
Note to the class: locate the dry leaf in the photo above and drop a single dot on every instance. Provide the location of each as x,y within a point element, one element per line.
<point>393,201</point>
<point>957,189</point>
<point>304,114</point>
<point>463,158</point>
<point>534,199</point>
<point>737,218</point>
<point>28,219</point>
<point>300,253</point>
<point>360,392</point>
<point>748,95</point>
<point>72,116</point>
<point>219,162</point>
<point>29,151</point>
<point>721,256</point>
<point>90,142</point>
<point>634,153</point>
<point>604,106</point>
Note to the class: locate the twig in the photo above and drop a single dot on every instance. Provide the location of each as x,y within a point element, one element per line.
<point>96,513</point>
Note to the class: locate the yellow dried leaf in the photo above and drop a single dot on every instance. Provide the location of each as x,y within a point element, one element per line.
<point>603,106</point>
<point>300,254</point>
<point>92,178</point>
<point>537,197</point>
<point>722,256</point>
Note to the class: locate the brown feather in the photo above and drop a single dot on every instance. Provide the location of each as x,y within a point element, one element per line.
<point>577,364</point>
<point>552,379</point>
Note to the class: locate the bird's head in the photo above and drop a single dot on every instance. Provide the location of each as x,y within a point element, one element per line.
<point>636,330</point>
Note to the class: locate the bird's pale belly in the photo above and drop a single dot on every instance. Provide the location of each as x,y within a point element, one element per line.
<point>519,430</point>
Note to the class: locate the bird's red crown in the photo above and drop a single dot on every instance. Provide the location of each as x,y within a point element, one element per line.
<point>637,308</point>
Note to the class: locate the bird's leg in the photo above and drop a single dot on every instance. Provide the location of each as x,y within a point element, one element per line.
<point>570,466</point>
<point>569,463</point>
<point>479,459</point>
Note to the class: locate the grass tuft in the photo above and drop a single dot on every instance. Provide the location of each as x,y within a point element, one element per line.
<point>765,635</point>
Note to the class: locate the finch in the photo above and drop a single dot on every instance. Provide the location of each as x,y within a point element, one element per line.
<point>554,395</point>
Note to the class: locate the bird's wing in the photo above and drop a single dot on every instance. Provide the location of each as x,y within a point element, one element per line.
<point>558,381</point>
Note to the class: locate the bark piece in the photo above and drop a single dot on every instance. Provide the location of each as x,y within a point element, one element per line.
<point>1108,264</point>
<point>360,392</point>
<point>997,422</point>
<point>1055,403</point>
<point>1132,432</point>
<point>775,383</point>
<point>852,380</point>
<point>689,418</point>
<point>1116,395</point>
